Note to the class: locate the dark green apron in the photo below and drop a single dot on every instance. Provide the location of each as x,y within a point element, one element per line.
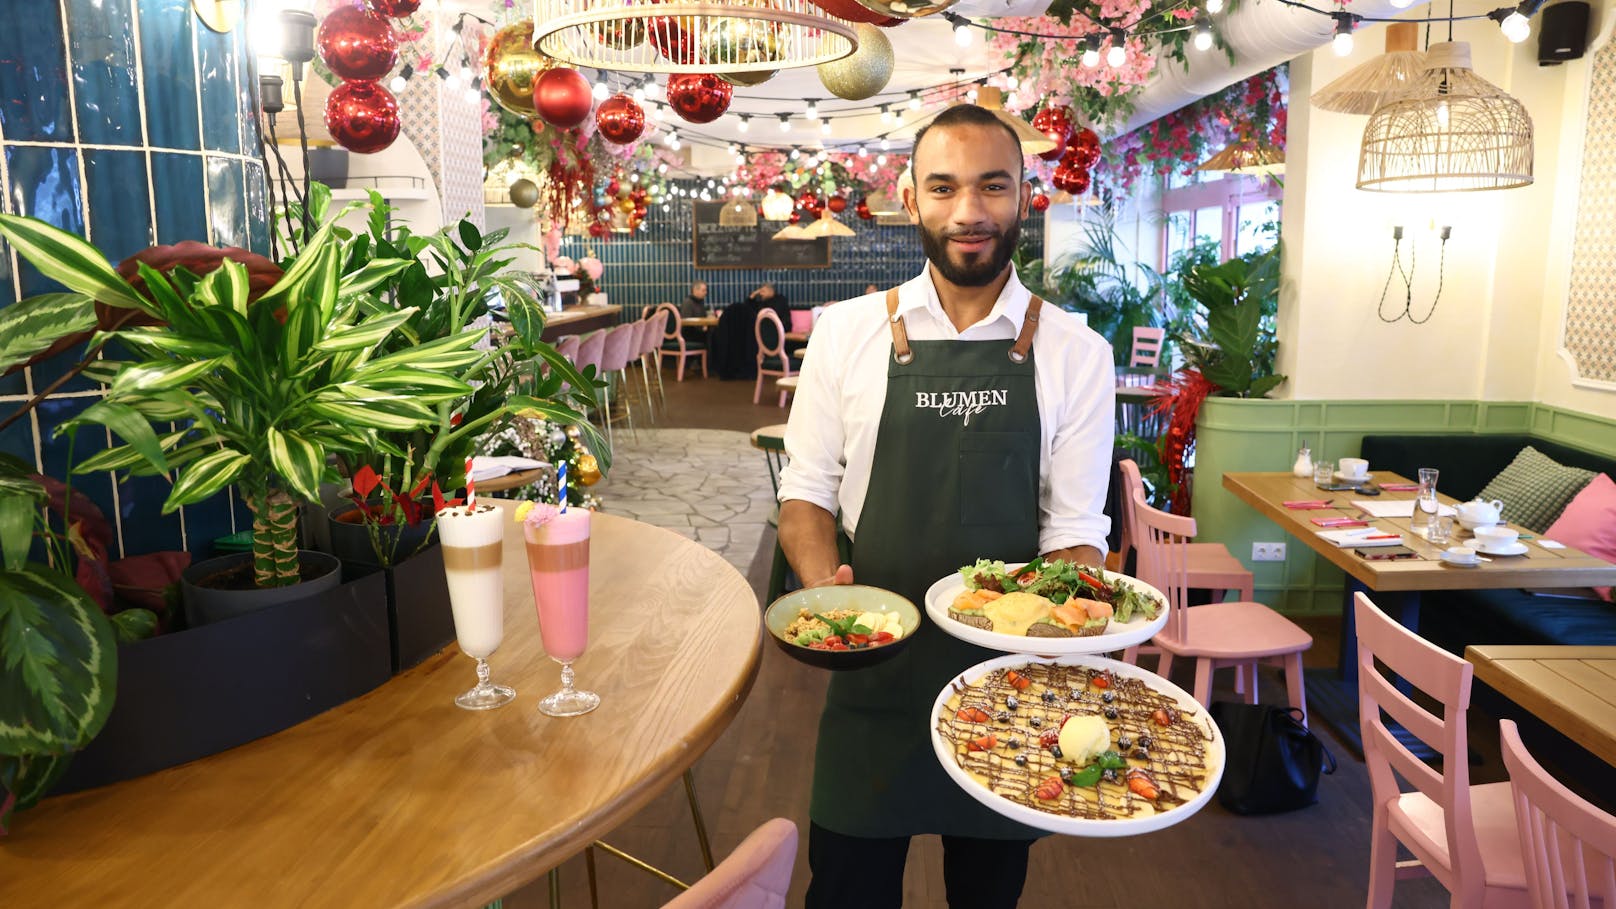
<point>954,479</point>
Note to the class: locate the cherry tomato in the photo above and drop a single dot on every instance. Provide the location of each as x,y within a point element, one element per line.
<point>833,639</point>
<point>858,639</point>
<point>881,637</point>
<point>838,646</point>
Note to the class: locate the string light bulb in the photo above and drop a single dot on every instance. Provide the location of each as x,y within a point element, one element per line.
<point>812,113</point>
<point>639,94</point>
<point>785,123</point>
<point>1091,51</point>
<point>962,32</point>
<point>1213,7</point>
<point>886,145</point>
<point>886,115</point>
<point>914,100</point>
<point>1513,24</point>
<point>1203,34</point>
<point>1342,42</point>
<point>745,124</point>
<point>652,89</point>
<point>601,91</point>
<point>1117,56</point>
<point>474,92</point>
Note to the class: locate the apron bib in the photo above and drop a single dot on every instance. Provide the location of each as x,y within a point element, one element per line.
<point>954,479</point>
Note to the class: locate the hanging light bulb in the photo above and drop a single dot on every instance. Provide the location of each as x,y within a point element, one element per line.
<point>1091,51</point>
<point>881,160</point>
<point>886,145</point>
<point>402,80</point>
<point>863,152</point>
<point>662,168</point>
<point>1213,7</point>
<point>887,116</point>
<point>873,168</point>
<point>450,83</point>
<point>601,91</point>
<point>1442,115</point>
<point>1117,56</point>
<point>465,73</point>
<point>656,112</point>
<point>962,32</point>
<point>795,154</point>
<point>812,113</point>
<point>1011,82</point>
<point>1513,23</point>
<point>824,128</point>
<point>1401,4</point>
<point>633,178</point>
<point>745,124</point>
<point>1342,42</point>
<point>1203,34</point>
<point>474,92</point>
<point>785,123</point>
<point>971,96</point>
<point>652,89</point>
<point>914,100</point>
<point>639,94</point>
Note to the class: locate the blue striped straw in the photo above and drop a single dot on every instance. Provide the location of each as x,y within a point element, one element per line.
<point>561,481</point>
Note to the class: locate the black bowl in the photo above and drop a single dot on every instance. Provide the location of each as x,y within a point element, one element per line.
<point>784,611</point>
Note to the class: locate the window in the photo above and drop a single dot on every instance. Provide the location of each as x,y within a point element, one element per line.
<point>1239,213</point>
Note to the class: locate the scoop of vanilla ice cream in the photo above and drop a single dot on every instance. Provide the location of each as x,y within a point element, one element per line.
<point>1084,737</point>
<point>881,621</point>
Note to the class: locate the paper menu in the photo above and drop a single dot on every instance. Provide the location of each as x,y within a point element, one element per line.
<point>1361,538</point>
<point>1392,509</point>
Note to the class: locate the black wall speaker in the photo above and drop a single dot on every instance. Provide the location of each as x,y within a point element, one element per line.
<point>1562,32</point>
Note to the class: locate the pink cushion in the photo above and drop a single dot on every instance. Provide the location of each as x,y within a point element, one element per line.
<point>802,320</point>
<point>1589,522</point>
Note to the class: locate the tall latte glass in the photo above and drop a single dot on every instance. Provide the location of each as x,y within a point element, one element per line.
<point>558,559</point>
<point>472,546</point>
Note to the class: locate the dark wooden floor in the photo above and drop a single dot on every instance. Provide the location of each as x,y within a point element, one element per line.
<point>762,766</point>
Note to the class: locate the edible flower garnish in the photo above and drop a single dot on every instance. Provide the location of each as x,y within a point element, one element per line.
<point>537,514</point>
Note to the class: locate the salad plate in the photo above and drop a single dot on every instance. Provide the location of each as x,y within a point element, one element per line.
<point>1142,755</point>
<point>1118,635</point>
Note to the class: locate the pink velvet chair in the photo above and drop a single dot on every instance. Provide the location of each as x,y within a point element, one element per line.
<point>1240,634</point>
<point>1463,835</point>
<point>1568,845</point>
<point>590,348</point>
<point>771,359</point>
<point>674,343</point>
<point>756,875</point>
<point>614,359</point>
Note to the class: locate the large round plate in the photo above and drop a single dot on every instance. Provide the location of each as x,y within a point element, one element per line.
<point>1073,826</point>
<point>1117,636</point>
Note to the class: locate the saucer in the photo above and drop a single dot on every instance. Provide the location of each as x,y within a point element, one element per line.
<point>1459,563</point>
<point>1350,478</point>
<point>1514,549</point>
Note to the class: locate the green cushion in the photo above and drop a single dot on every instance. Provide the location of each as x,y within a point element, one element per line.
<point>690,346</point>
<point>1535,489</point>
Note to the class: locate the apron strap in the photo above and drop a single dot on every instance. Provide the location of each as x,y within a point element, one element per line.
<point>1018,351</point>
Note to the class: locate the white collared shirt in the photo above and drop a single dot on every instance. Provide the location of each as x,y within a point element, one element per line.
<point>830,438</point>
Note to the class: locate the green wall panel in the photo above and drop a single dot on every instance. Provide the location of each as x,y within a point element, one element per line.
<point>1234,436</point>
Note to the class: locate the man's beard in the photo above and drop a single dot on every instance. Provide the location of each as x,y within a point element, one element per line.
<point>982,269</point>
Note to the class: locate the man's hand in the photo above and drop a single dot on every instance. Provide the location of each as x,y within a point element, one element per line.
<point>808,537</point>
<point>842,577</point>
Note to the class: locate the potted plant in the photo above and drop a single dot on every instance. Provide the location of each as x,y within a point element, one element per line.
<point>262,393</point>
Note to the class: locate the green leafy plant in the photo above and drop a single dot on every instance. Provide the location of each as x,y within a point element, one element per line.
<point>1238,348</point>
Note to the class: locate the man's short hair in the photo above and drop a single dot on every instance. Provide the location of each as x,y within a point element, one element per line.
<point>967,115</point>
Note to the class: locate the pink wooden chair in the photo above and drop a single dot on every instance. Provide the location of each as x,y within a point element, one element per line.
<point>1147,345</point>
<point>771,360</point>
<point>674,343</point>
<point>756,875</point>
<point>1235,633</point>
<point>1461,834</point>
<point>1569,846</point>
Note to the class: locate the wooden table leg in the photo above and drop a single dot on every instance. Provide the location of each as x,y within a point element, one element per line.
<point>1333,696</point>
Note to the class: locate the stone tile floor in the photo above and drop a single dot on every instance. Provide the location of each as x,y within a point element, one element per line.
<point>708,485</point>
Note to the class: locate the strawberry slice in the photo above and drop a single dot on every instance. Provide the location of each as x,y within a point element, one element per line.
<point>982,743</point>
<point>1100,680</point>
<point>1017,679</point>
<point>1050,789</point>
<point>972,715</point>
<point>1049,739</point>
<point>1142,784</point>
<point>1164,716</point>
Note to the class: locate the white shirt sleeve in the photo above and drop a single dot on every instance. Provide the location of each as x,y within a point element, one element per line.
<point>1072,505</point>
<point>815,431</point>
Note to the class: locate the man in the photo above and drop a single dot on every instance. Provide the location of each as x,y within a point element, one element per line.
<point>695,304</point>
<point>975,424</point>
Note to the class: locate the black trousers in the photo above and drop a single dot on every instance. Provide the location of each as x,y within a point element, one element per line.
<point>851,872</point>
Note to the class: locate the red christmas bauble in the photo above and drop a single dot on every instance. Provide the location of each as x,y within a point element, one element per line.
<point>396,9</point>
<point>613,186</point>
<point>1056,123</point>
<point>357,45</point>
<point>1074,180</point>
<point>865,214</point>
<point>1040,202</point>
<point>1085,147</point>
<point>362,117</point>
<point>853,11</point>
<point>669,36</point>
<point>699,97</point>
<point>561,97</point>
<point>796,216</point>
<point>598,230</point>
<point>837,204</point>
<point>808,201</point>
<point>621,121</point>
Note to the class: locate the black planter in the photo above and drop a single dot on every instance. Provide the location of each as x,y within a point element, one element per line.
<point>351,542</point>
<point>206,605</point>
<point>193,693</point>
<point>329,166</point>
<point>419,619</point>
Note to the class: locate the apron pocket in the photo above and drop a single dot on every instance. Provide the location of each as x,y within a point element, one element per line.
<point>998,478</point>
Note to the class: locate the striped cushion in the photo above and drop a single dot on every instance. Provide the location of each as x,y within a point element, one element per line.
<point>1535,489</point>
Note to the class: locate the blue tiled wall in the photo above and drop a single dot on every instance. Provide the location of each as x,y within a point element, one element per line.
<point>132,123</point>
<point>655,266</point>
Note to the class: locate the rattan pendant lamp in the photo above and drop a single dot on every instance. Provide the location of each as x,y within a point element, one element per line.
<point>686,36</point>
<point>1361,90</point>
<point>1250,158</point>
<point>1450,131</point>
<point>826,226</point>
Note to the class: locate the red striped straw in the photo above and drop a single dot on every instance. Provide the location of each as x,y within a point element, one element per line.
<point>471,486</point>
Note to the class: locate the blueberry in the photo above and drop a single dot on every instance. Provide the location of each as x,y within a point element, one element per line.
<point>1111,713</point>
<point>1108,696</point>
<point>1141,754</point>
<point>1074,694</point>
<point>1049,696</point>
<point>1003,717</point>
<point>1013,744</point>
<point>1125,741</point>
<point>1012,702</point>
<point>1036,722</point>
<point>1110,776</point>
<point>1145,741</point>
<point>1021,760</point>
<point>1066,774</point>
<point>1055,752</point>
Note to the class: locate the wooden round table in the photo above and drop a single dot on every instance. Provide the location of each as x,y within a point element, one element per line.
<point>400,798</point>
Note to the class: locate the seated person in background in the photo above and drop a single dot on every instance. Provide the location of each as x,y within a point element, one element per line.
<point>695,304</point>
<point>871,289</point>
<point>766,295</point>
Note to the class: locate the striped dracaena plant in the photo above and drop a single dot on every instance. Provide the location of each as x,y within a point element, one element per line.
<point>256,396</point>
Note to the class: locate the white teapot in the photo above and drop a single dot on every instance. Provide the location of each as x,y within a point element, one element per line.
<point>1480,513</point>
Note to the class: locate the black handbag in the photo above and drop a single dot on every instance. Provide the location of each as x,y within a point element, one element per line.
<point>1273,762</point>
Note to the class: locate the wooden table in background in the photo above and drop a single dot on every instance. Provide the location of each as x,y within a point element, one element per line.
<point>577,320</point>
<point>1573,689</point>
<point>1395,585</point>
<point>512,480</point>
<point>699,321</point>
<point>400,798</point>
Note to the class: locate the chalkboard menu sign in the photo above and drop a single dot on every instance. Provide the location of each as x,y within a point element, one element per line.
<point>714,245</point>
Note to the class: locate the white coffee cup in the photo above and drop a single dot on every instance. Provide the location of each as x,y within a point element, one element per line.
<point>1496,537</point>
<point>1460,553</point>
<point>1353,467</point>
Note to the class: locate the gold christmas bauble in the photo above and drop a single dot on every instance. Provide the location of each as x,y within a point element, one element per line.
<point>625,205</point>
<point>524,193</point>
<point>575,434</point>
<point>512,66</point>
<point>588,470</point>
<point>907,9</point>
<point>620,34</point>
<point>863,73</point>
<point>732,41</point>
<point>745,80</point>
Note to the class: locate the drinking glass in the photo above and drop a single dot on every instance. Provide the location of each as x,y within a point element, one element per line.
<point>558,560</point>
<point>1323,473</point>
<point>1425,501</point>
<point>473,544</point>
<point>1440,528</point>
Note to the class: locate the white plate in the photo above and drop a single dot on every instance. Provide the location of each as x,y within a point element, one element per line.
<point>1458,563</point>
<point>1117,635</point>
<point>1350,478</point>
<point>1073,826</point>
<point>1513,549</point>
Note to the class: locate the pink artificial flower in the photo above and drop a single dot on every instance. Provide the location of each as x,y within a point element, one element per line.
<point>564,265</point>
<point>592,267</point>
<point>552,244</point>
